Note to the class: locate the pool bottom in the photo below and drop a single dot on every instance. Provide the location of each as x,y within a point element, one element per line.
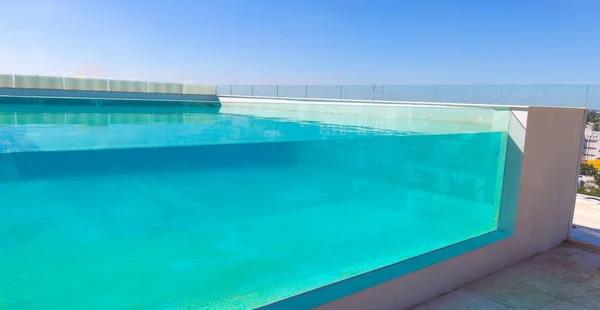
<point>226,238</point>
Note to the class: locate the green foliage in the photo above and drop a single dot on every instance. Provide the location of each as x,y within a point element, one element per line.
<point>593,117</point>
<point>585,169</point>
<point>590,191</point>
<point>596,127</point>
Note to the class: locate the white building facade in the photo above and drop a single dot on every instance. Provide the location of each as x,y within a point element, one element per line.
<point>591,145</point>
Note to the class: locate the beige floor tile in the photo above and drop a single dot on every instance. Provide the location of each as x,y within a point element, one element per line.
<point>579,255</point>
<point>544,282</point>
<point>582,294</point>
<point>535,278</point>
<point>511,293</point>
<point>587,259</point>
<point>569,249</point>
<point>462,299</point>
<point>561,304</point>
<point>567,277</point>
<point>564,266</point>
<point>548,258</point>
<point>593,282</point>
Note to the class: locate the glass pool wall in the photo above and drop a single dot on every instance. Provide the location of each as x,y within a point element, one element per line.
<point>157,207</point>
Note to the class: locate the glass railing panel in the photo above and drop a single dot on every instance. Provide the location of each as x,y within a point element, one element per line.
<point>378,92</point>
<point>6,80</point>
<point>223,90</point>
<point>293,91</point>
<point>265,90</point>
<point>128,86</point>
<point>34,81</point>
<point>419,93</point>
<point>241,90</point>
<point>480,94</point>
<point>545,95</point>
<point>165,88</point>
<point>86,84</point>
<point>325,91</point>
<point>197,89</point>
<point>359,92</point>
<point>592,99</point>
<point>577,95</point>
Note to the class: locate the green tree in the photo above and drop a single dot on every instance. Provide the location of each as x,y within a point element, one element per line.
<point>588,190</point>
<point>592,117</point>
<point>585,169</point>
<point>597,179</point>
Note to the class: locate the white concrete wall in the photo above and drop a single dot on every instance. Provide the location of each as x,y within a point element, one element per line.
<point>550,165</point>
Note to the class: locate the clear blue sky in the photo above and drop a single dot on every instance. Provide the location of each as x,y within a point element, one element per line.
<point>309,41</point>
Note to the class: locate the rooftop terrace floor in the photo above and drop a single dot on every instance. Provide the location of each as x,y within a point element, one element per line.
<point>566,277</point>
<point>586,220</point>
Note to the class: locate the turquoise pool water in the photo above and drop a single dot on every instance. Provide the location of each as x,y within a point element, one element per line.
<point>190,208</point>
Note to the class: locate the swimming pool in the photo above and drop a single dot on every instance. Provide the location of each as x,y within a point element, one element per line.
<point>193,207</point>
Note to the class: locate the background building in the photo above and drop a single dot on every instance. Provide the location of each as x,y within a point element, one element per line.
<point>591,146</point>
